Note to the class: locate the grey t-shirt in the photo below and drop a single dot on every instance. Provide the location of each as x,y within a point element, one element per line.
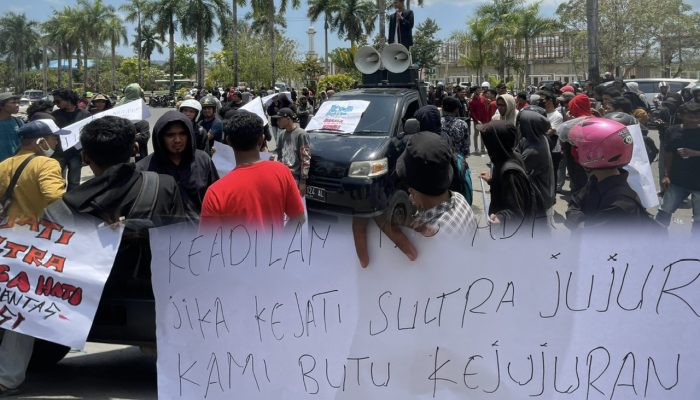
<point>293,150</point>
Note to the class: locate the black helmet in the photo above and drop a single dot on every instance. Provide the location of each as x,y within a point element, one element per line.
<point>623,118</point>
<point>208,101</point>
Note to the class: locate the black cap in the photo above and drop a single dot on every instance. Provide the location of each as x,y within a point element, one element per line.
<point>426,164</point>
<point>41,128</point>
<point>286,112</point>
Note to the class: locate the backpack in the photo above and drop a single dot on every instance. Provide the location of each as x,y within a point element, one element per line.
<point>134,249</point>
<point>537,205</point>
<point>462,180</point>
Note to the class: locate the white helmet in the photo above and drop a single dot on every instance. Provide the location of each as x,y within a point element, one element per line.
<point>486,85</point>
<point>191,103</point>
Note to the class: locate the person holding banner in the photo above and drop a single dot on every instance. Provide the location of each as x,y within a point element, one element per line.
<point>426,168</point>
<point>68,112</point>
<point>38,184</point>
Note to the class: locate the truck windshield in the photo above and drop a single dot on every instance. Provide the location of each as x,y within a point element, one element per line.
<point>377,118</point>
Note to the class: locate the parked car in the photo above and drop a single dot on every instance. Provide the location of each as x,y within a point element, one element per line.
<point>650,86</point>
<point>34,95</point>
<point>24,104</point>
<point>354,174</point>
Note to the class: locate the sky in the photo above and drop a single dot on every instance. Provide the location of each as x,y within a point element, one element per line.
<point>451,16</point>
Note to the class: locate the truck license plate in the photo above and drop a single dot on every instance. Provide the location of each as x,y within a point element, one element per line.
<point>316,193</point>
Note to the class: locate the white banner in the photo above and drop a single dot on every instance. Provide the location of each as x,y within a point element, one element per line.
<point>338,116</point>
<point>240,315</point>
<point>133,111</point>
<point>640,177</point>
<point>224,158</point>
<point>52,276</point>
<point>256,107</point>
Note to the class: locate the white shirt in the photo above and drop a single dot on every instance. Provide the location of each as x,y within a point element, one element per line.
<point>555,119</point>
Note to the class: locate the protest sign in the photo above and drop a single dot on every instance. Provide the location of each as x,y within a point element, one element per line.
<point>224,158</point>
<point>640,177</point>
<point>338,116</point>
<point>256,107</point>
<point>52,276</point>
<point>133,111</point>
<point>245,316</point>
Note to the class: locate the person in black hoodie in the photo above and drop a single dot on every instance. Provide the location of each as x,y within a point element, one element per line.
<point>512,200</point>
<point>175,154</point>
<point>533,126</point>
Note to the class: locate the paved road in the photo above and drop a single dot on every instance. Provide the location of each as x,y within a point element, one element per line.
<point>100,372</point>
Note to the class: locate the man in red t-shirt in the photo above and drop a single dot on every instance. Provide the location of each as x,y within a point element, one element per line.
<point>257,193</point>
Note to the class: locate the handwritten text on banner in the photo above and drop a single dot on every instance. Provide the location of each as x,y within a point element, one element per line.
<point>246,316</point>
<point>52,276</point>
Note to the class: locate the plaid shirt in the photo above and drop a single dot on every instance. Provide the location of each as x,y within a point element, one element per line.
<point>453,217</point>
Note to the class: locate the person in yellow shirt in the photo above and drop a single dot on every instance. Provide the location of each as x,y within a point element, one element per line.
<point>39,185</point>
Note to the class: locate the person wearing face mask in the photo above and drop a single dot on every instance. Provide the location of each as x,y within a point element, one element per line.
<point>38,183</point>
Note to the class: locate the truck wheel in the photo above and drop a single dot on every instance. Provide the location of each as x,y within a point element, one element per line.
<point>47,354</point>
<point>400,209</point>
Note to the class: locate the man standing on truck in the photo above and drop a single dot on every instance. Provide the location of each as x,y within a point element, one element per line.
<point>401,25</point>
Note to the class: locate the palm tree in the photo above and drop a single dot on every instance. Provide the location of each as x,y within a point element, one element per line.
<point>477,41</point>
<point>353,19</point>
<point>166,14</point>
<point>18,39</point>
<point>51,29</point>
<point>381,7</point>
<point>408,3</point>
<point>259,25</point>
<point>116,34</point>
<point>135,10</point>
<point>501,16</point>
<point>267,7</point>
<point>530,25</point>
<point>70,32</point>
<point>95,34</point>
<point>150,42</point>
<point>327,8</point>
<point>199,20</point>
<point>234,36</point>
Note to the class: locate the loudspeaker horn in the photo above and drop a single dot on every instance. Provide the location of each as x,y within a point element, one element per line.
<point>367,60</point>
<point>396,58</point>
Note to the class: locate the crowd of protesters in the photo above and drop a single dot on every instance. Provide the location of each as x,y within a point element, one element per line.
<point>566,108</point>
<point>534,142</point>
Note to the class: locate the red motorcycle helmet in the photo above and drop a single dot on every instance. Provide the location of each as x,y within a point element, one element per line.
<point>599,143</point>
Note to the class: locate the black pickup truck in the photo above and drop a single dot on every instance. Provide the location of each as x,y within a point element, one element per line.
<point>353,174</point>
